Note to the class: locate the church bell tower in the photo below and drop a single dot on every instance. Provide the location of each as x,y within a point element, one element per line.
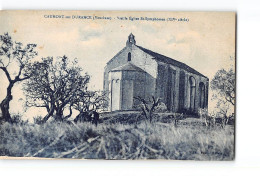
<point>131,40</point>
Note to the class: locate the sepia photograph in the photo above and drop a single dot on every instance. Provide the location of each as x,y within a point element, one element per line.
<point>117,85</point>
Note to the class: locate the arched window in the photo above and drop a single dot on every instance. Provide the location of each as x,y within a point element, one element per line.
<point>192,85</point>
<point>129,57</point>
<point>202,95</point>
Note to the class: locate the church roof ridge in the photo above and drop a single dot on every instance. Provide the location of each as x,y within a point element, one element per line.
<point>116,55</point>
<point>171,61</point>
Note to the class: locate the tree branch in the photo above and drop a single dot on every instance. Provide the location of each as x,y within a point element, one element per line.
<point>6,73</point>
<point>21,79</point>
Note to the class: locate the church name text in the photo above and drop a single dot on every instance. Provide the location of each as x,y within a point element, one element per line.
<point>120,18</point>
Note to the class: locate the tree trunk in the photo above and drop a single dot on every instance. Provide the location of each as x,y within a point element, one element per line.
<point>59,114</point>
<point>50,113</point>
<point>69,115</point>
<point>5,110</point>
<point>150,116</point>
<point>5,104</point>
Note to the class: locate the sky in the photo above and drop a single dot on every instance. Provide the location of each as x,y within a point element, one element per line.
<point>205,42</point>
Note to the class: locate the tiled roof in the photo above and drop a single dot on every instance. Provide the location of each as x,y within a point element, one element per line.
<point>171,61</point>
<point>128,67</point>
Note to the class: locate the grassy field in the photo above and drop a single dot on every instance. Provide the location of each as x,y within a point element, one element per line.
<point>190,140</point>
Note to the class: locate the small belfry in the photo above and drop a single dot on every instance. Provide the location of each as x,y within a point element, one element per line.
<point>131,40</point>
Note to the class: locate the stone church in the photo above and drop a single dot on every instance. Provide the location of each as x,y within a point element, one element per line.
<point>136,71</point>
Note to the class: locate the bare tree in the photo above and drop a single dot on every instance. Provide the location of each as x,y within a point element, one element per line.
<point>148,107</point>
<point>16,54</point>
<point>54,86</point>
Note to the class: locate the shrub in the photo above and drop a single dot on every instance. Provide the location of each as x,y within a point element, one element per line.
<point>37,119</point>
<point>161,107</point>
<point>17,119</point>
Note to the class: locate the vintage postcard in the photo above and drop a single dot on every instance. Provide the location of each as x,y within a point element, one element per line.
<point>117,85</point>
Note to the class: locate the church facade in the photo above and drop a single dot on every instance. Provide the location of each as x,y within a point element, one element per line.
<point>139,72</point>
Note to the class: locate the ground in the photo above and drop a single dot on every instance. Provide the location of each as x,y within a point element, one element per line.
<point>190,139</point>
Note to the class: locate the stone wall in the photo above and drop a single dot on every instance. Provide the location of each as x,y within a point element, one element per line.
<point>180,90</point>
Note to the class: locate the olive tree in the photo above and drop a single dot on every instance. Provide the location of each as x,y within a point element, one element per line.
<point>223,86</point>
<point>55,85</point>
<point>19,56</point>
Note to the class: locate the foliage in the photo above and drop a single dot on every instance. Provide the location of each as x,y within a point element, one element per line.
<point>88,101</point>
<point>37,120</point>
<point>14,53</point>
<point>223,86</point>
<point>55,86</point>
